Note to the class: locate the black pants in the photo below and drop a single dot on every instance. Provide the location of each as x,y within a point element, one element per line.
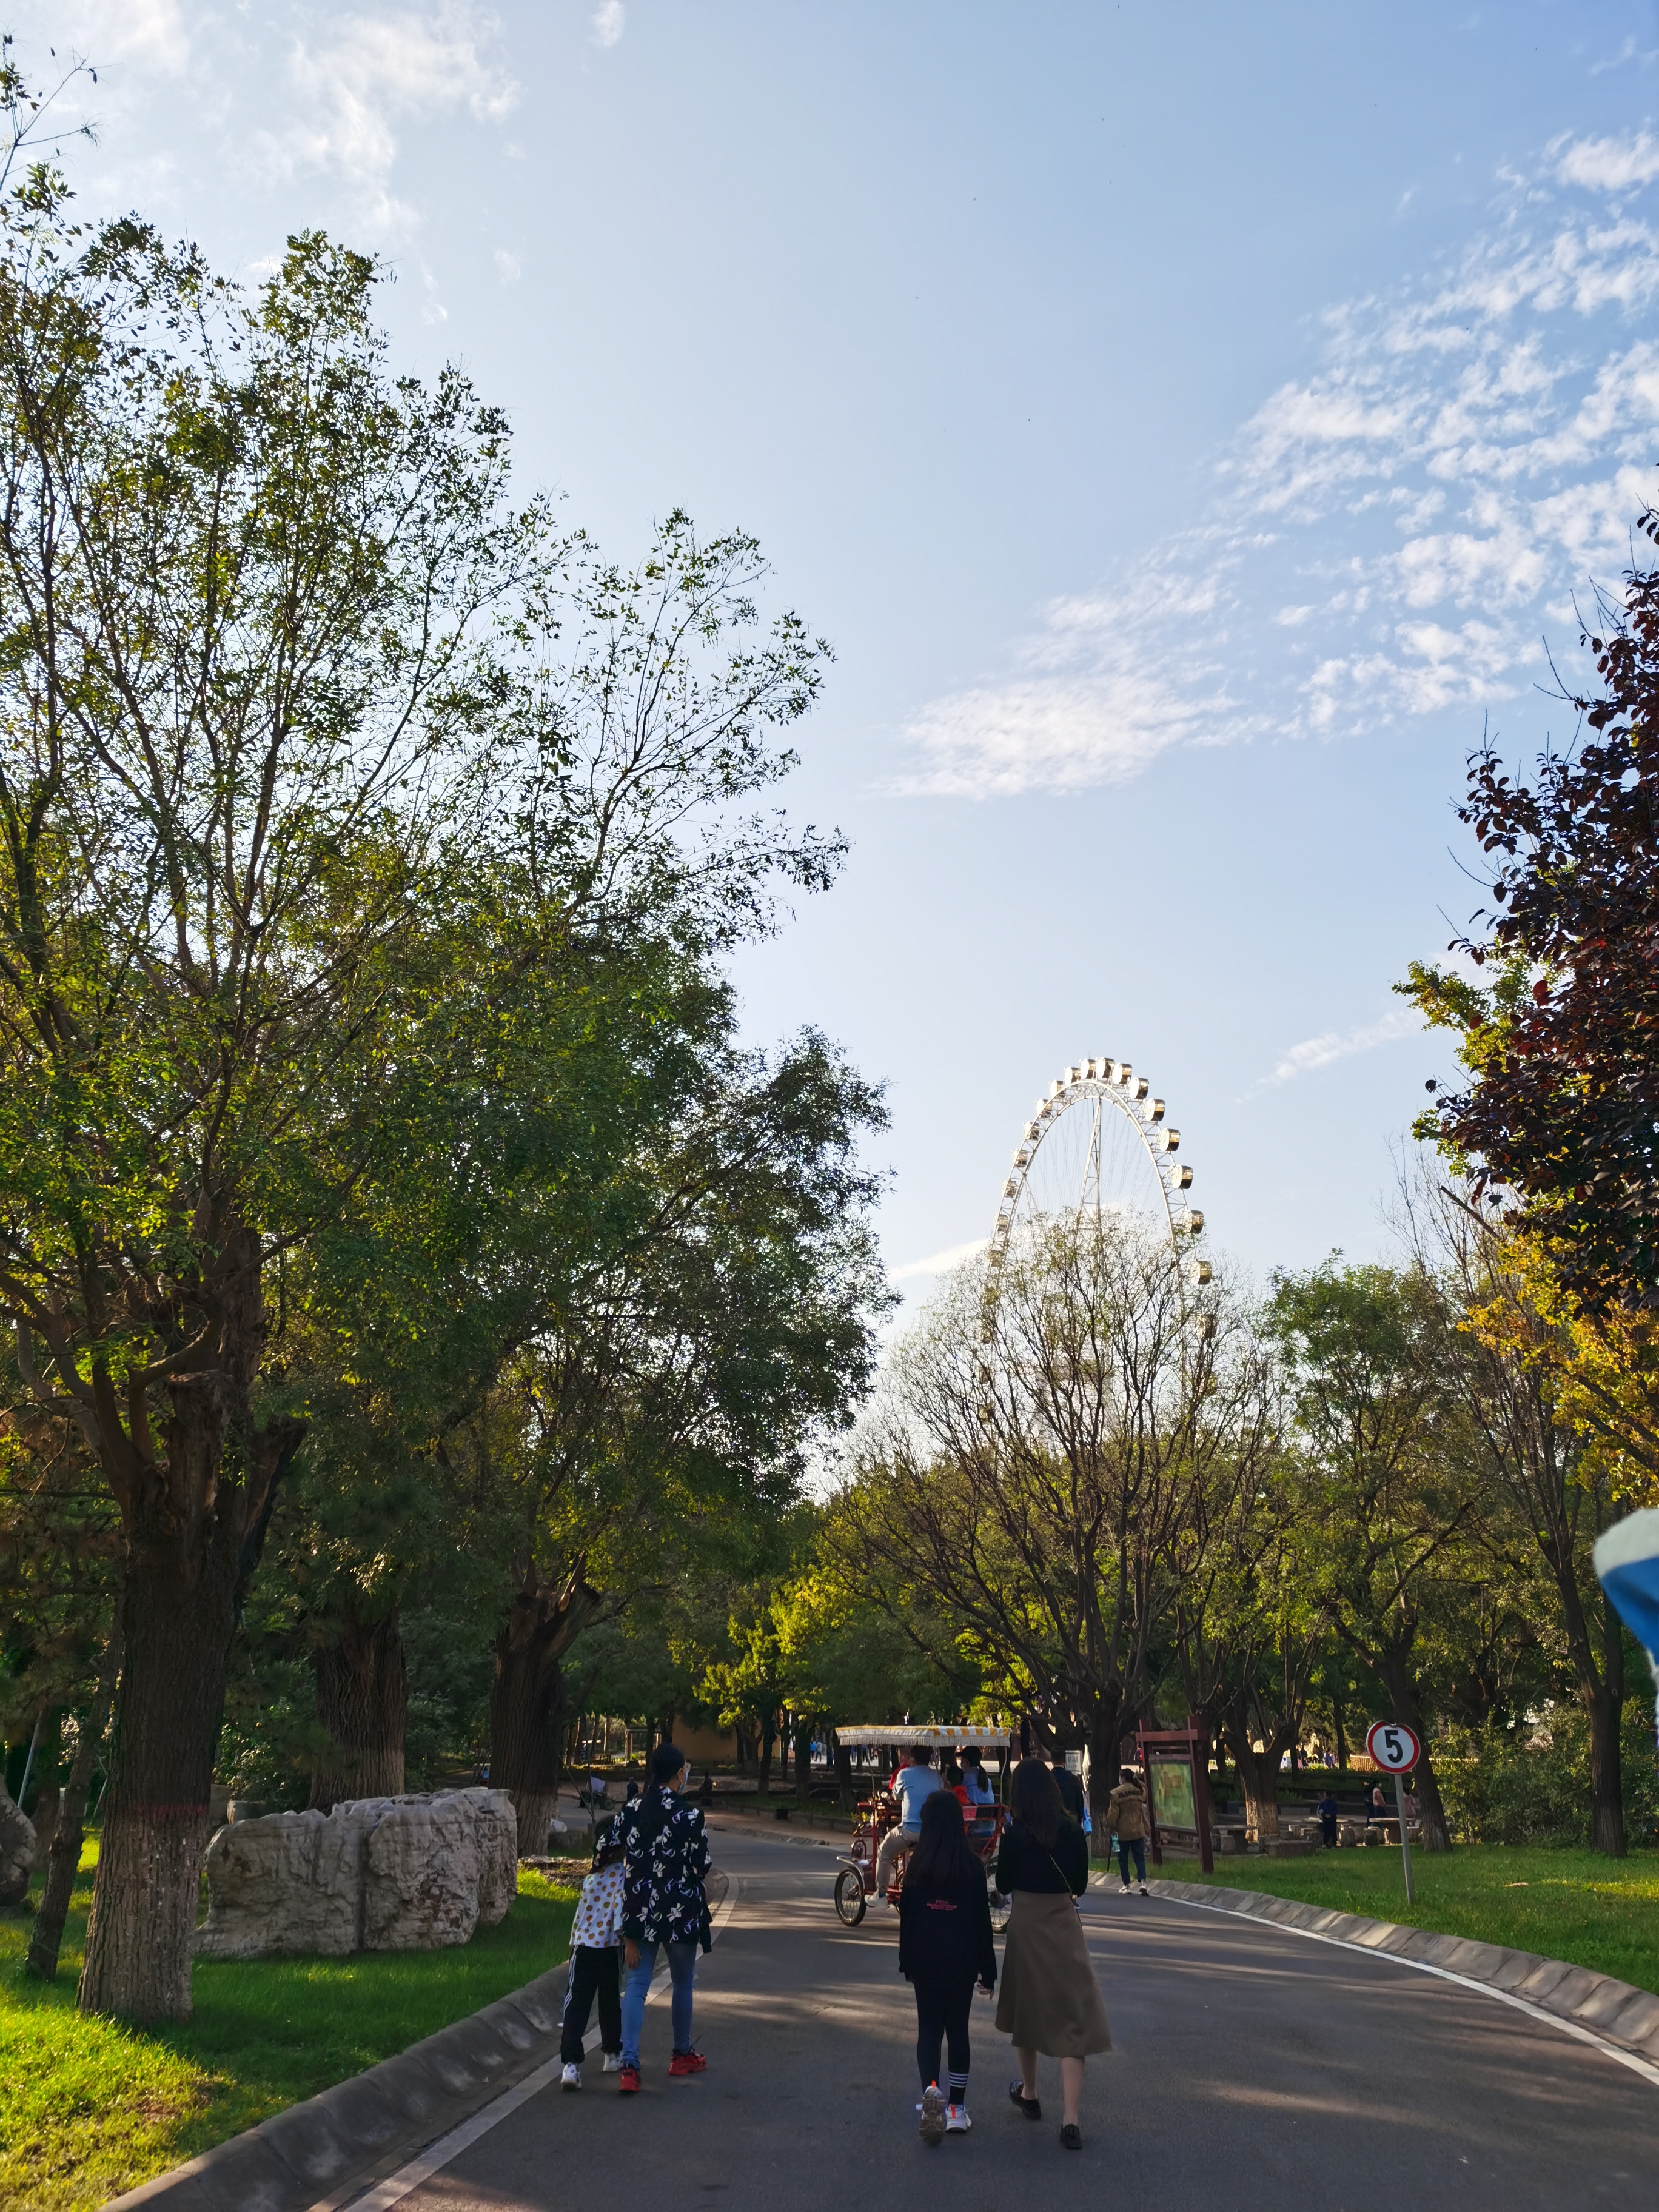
<point>1125,1845</point>
<point>942,2009</point>
<point>591,1972</point>
<point>1328,1830</point>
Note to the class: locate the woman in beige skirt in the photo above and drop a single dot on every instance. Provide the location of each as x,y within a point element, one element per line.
<point>1049,1999</point>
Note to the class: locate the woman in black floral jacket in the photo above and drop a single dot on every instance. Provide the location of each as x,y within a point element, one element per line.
<point>664,1858</point>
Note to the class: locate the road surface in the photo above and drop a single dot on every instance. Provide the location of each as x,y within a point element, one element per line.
<point>1254,2069</point>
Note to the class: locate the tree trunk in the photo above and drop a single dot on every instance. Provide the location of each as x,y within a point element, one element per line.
<point>65,1861</point>
<point>178,1615</point>
<point>1104,1757</point>
<point>768,1736</point>
<point>1257,1770</point>
<point>527,1712</point>
<point>844,1776</point>
<point>363,1700</point>
<point>47,1791</point>
<point>1341,1732</point>
<point>803,1759</point>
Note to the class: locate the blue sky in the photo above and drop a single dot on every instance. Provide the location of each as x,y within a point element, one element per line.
<point>1189,424</point>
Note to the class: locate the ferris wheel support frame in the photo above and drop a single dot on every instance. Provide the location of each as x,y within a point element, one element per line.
<point>1113,1082</point>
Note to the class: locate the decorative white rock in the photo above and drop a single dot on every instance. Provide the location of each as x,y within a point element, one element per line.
<point>378,1873</point>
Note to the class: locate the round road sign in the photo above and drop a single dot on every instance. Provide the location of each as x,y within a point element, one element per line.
<point>1394,1746</point>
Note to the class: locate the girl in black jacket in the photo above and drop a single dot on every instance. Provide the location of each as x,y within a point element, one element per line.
<point>944,1947</point>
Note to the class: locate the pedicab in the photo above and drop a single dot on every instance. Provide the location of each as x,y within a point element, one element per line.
<point>856,1883</point>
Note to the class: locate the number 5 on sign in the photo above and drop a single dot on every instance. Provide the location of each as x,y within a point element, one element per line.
<point>1395,1749</point>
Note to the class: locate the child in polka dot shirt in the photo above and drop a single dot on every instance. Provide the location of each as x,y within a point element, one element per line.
<point>595,1936</point>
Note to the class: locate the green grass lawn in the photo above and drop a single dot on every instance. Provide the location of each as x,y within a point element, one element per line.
<point>91,2108</point>
<point>1601,1913</point>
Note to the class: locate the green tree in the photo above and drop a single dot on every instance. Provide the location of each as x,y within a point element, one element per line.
<point>1390,1487</point>
<point>1038,1487</point>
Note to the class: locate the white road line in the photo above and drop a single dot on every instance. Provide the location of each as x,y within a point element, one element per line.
<point>1636,2065</point>
<point>408,2179</point>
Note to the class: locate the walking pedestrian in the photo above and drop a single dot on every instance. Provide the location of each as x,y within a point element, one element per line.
<point>944,1948</point>
<point>913,1785</point>
<point>1049,2001</point>
<point>664,1859</point>
<point>1377,1805</point>
<point>1129,1818</point>
<point>595,1936</point>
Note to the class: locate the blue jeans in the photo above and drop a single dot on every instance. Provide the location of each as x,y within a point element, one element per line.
<point>1125,1845</point>
<point>683,1965</point>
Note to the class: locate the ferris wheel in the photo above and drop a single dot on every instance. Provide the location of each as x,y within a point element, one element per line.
<point>1098,1142</point>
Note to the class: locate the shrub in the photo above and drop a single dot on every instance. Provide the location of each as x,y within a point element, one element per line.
<point>1529,1781</point>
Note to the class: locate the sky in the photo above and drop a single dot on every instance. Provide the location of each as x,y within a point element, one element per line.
<point>1195,428</point>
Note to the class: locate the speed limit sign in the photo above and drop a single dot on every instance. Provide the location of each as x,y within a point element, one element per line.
<point>1394,1746</point>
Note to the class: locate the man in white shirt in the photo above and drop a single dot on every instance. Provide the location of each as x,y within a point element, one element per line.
<point>912,1785</point>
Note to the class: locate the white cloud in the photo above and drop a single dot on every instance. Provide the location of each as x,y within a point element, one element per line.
<point>373,73</point>
<point>1608,165</point>
<point>938,1263</point>
<point>610,19</point>
<point>1332,1045</point>
<point>507,267</point>
<point>1396,530</point>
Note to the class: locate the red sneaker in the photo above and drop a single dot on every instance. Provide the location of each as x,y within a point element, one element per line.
<point>687,2062</point>
<point>629,2081</point>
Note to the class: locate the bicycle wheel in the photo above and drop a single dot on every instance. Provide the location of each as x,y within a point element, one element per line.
<point>849,1896</point>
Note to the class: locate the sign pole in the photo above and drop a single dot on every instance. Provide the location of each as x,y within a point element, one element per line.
<point>1404,1845</point>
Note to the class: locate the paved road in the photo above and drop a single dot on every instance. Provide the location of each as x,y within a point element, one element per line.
<point>1254,2069</point>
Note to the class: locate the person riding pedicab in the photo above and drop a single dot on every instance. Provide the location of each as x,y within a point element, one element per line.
<point>913,1785</point>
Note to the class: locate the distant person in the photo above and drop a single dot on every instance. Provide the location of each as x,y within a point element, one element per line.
<point>1050,1999</point>
<point>595,1938</point>
<point>1376,1806</point>
<point>1327,1810</point>
<point>944,1948</point>
<point>912,1785</point>
<point>977,1792</point>
<point>1070,1787</point>
<point>1127,1812</point>
<point>665,1858</point>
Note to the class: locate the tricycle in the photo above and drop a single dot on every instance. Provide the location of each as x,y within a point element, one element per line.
<point>856,1884</point>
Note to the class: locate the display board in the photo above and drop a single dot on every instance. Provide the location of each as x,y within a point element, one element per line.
<point>1172,1792</point>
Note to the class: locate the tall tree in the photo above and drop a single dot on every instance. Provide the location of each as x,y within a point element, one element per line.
<point>1391,1484</point>
<point>1561,1120</point>
<point>243,578</point>
<point>1037,1488</point>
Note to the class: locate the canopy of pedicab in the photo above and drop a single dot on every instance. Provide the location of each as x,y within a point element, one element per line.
<point>985,1735</point>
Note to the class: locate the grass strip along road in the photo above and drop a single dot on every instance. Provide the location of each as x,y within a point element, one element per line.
<point>1571,1905</point>
<point>92,2108</point>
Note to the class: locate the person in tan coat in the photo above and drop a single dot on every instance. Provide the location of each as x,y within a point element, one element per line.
<point>1127,1812</point>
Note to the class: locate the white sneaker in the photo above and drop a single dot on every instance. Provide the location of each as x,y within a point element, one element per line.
<point>1144,1891</point>
<point>956,2122</point>
<point>612,2062</point>
<point>933,2114</point>
<point>571,2078</point>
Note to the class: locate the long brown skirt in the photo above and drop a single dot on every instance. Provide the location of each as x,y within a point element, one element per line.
<point>1047,1998</point>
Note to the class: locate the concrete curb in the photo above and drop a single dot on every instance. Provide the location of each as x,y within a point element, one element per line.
<point>298,2154</point>
<point>335,2143</point>
<point>1612,2011</point>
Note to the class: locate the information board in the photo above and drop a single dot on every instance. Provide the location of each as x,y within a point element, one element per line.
<point>1172,1792</point>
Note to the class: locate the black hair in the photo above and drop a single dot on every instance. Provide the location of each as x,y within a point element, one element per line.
<point>1037,1800</point>
<point>922,1753</point>
<point>952,1774</point>
<point>971,1755</point>
<point>666,1761</point>
<point>942,1860</point>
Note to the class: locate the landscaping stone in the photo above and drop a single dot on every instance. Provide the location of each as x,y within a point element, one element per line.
<point>378,1873</point>
<point>16,1850</point>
